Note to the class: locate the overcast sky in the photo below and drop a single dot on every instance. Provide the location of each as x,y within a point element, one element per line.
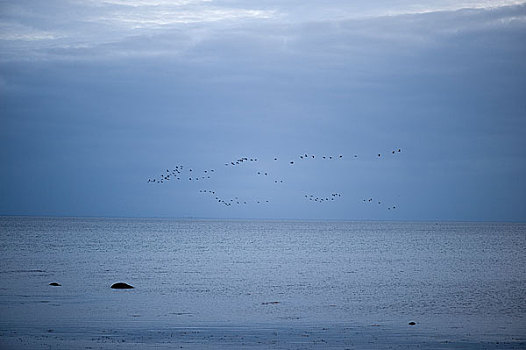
<point>98,97</point>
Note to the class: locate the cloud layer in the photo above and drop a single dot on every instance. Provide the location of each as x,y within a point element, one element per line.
<point>66,29</point>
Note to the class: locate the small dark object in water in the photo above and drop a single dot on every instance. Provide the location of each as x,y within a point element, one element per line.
<point>55,284</point>
<point>121,285</point>
<point>270,303</point>
<point>412,323</point>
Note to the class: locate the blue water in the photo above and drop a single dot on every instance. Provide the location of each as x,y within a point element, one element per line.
<point>457,281</point>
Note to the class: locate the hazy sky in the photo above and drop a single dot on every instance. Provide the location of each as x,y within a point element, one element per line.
<point>97,97</point>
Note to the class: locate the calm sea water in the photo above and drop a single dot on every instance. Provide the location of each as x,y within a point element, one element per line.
<point>461,280</point>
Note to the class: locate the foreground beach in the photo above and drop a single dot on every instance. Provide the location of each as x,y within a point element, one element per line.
<point>277,285</point>
<point>221,337</point>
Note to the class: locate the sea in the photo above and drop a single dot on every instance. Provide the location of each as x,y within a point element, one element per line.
<point>207,284</point>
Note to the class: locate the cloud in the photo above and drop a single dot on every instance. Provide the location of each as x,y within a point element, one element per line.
<point>58,27</point>
<point>148,17</point>
<point>297,11</point>
<point>106,29</point>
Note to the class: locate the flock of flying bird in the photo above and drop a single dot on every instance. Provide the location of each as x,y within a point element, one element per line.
<point>232,201</point>
<point>177,174</point>
<point>181,173</point>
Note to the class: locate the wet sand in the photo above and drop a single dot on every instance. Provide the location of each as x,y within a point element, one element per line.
<point>138,336</point>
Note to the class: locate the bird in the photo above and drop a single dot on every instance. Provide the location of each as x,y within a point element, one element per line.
<point>177,173</point>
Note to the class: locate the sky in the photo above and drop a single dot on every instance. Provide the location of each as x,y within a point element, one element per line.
<point>100,98</point>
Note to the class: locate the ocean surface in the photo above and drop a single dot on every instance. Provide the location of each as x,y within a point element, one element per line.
<point>261,284</point>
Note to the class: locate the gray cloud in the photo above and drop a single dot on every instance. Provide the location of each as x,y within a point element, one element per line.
<point>89,29</point>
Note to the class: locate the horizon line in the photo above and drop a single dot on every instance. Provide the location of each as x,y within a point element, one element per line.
<point>195,218</point>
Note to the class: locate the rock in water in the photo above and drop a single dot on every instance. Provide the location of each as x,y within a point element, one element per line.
<point>55,284</point>
<point>121,285</point>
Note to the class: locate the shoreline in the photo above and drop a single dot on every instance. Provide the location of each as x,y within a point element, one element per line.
<point>142,335</point>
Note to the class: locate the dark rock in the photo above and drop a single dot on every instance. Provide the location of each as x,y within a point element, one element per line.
<point>55,284</point>
<point>121,285</point>
<point>412,323</point>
